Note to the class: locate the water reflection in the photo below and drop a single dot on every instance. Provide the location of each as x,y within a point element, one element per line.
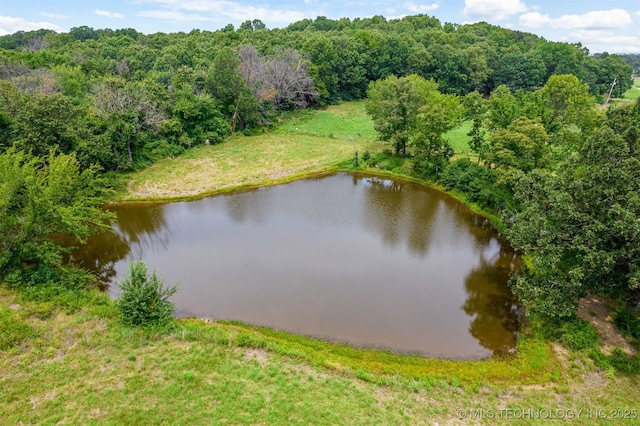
<point>375,262</point>
<point>490,303</point>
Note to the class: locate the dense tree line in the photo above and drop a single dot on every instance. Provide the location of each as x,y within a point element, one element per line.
<point>130,98</point>
<point>562,174</point>
<point>633,60</point>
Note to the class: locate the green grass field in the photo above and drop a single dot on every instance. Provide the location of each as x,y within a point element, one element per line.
<point>458,138</point>
<point>304,144</point>
<point>634,92</point>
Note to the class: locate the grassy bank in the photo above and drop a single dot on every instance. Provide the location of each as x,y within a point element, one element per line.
<point>304,144</point>
<point>85,368</point>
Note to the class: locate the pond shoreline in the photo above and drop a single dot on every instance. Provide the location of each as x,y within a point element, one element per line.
<point>376,222</point>
<point>337,168</point>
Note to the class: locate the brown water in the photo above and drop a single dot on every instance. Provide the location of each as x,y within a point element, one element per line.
<point>370,261</point>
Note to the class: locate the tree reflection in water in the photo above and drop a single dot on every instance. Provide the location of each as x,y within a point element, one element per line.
<point>491,304</point>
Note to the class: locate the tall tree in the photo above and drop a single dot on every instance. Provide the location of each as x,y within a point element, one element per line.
<point>42,197</point>
<point>566,101</point>
<point>128,111</point>
<point>476,110</point>
<point>226,84</point>
<point>580,228</point>
<point>438,115</point>
<point>394,104</point>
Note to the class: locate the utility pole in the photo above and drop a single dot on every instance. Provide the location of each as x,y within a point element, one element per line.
<point>615,81</point>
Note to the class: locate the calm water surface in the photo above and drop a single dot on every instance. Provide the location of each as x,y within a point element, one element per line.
<point>366,260</point>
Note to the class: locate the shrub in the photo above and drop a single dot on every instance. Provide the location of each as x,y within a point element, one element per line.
<point>12,329</point>
<point>144,301</point>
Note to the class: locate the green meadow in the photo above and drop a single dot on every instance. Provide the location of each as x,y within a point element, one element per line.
<point>633,93</point>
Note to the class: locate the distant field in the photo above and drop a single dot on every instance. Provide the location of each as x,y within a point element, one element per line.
<point>634,92</point>
<point>458,138</point>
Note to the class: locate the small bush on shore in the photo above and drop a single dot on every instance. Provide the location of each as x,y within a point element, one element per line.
<point>144,301</point>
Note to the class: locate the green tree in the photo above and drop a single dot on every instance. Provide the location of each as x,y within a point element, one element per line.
<point>200,118</point>
<point>580,228</point>
<point>226,84</point>
<point>438,115</point>
<point>144,301</point>
<point>521,146</point>
<point>323,57</point>
<point>503,108</point>
<point>476,110</point>
<point>566,101</point>
<point>519,70</point>
<point>42,198</point>
<point>46,121</point>
<point>625,120</point>
<point>394,104</point>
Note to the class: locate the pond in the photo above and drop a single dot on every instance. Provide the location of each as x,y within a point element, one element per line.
<point>352,258</point>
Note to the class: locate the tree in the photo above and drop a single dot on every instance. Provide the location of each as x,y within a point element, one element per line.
<point>503,108</point>
<point>129,111</point>
<point>476,110</point>
<point>519,70</point>
<point>287,73</point>
<point>200,118</point>
<point>144,301</point>
<point>45,122</point>
<point>394,104</point>
<point>521,146</point>
<point>323,57</point>
<point>566,101</point>
<point>438,115</point>
<point>477,68</point>
<point>625,121</point>
<point>226,84</point>
<point>281,79</point>
<point>580,228</point>
<point>41,198</point>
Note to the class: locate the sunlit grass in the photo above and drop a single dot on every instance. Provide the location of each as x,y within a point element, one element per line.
<point>459,139</point>
<point>85,368</point>
<point>633,93</point>
<point>304,144</point>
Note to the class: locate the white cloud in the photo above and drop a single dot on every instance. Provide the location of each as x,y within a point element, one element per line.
<point>53,15</point>
<point>494,10</point>
<point>228,10</point>
<point>9,25</point>
<point>420,8</point>
<point>606,41</point>
<point>108,14</point>
<point>173,15</point>
<point>601,19</point>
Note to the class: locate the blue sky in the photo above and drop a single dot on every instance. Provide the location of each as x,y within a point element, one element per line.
<point>600,25</point>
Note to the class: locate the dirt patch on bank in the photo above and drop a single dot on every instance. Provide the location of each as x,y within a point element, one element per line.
<point>597,311</point>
